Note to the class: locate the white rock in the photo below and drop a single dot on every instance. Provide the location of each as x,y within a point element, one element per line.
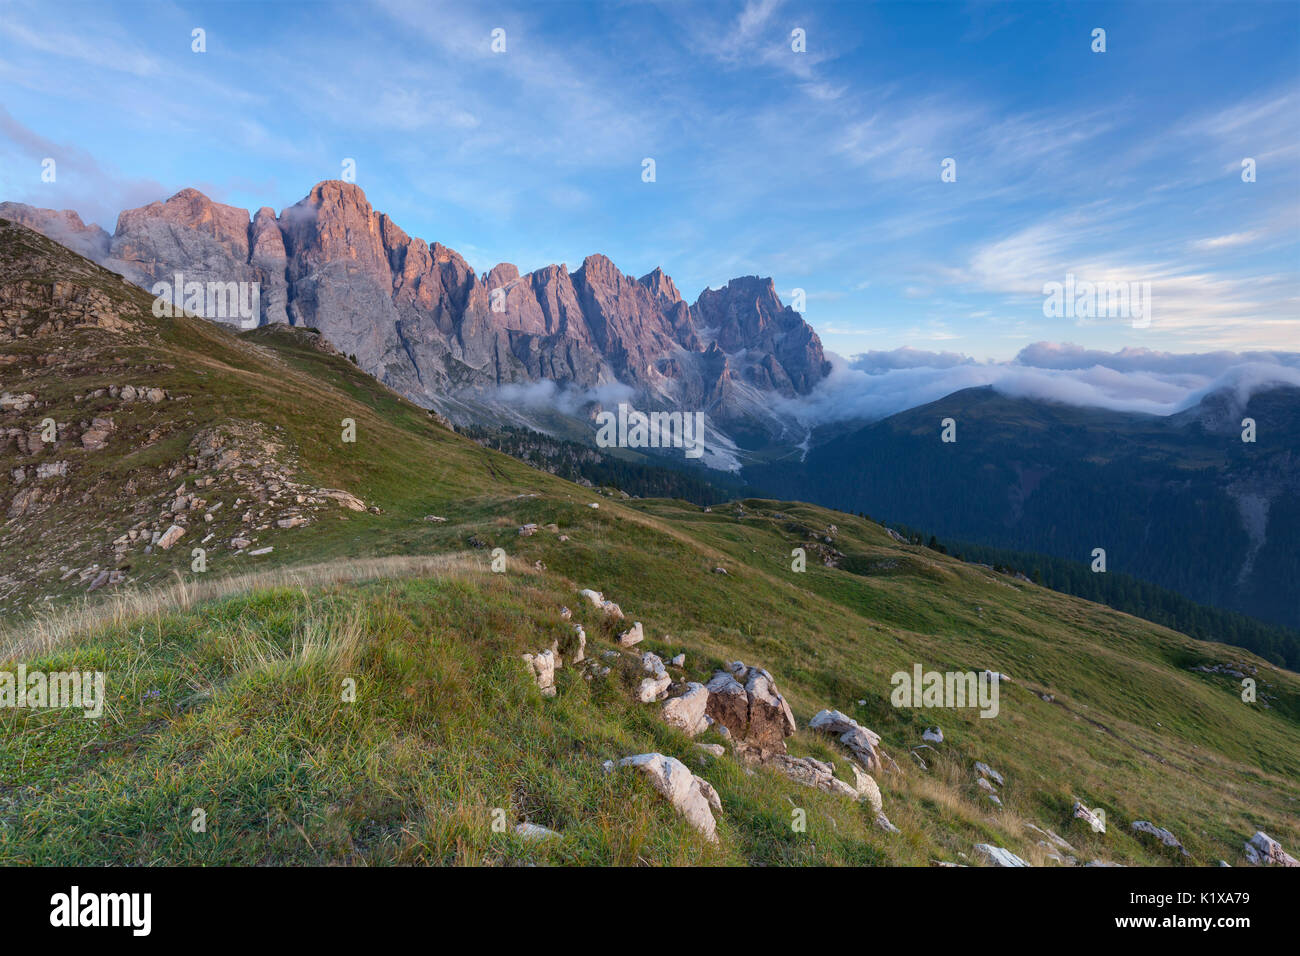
<point>687,712</point>
<point>1262,848</point>
<point>533,833</point>
<point>170,536</point>
<point>653,688</point>
<point>693,797</point>
<point>933,734</point>
<point>862,742</point>
<point>1160,833</point>
<point>633,635</point>
<point>543,668</point>
<point>1088,817</point>
<point>997,856</point>
<point>984,770</point>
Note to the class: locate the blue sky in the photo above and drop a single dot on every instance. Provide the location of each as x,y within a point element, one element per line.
<point>820,169</point>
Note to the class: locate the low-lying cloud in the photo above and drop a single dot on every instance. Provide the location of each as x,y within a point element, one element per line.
<point>876,385</point>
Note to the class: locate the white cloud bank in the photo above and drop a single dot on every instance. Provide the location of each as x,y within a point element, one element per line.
<point>878,384</point>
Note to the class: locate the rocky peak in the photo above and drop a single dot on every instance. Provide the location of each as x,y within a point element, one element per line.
<point>661,285</point>
<point>195,212</point>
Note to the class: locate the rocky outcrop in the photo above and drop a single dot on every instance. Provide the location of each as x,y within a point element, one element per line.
<point>1160,833</point>
<point>746,701</point>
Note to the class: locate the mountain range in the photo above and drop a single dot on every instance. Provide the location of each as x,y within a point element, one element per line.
<point>418,318</point>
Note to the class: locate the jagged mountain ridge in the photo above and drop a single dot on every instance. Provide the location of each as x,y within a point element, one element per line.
<point>419,318</point>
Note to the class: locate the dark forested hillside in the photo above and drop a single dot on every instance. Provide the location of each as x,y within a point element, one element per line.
<point>1181,502</point>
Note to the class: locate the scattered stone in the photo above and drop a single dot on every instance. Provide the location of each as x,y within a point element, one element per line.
<point>1161,834</point>
<point>436,519</point>
<point>598,599</point>
<point>632,636</point>
<point>693,797</point>
<point>860,741</point>
<point>1262,849</point>
<point>719,570</point>
<point>543,669</point>
<point>687,712</point>
<point>528,530</point>
<point>1088,817</point>
<point>984,770</point>
<point>565,614</point>
<point>678,661</point>
<point>260,551</point>
<point>532,833</point>
<point>717,750</point>
<point>933,734</point>
<point>170,537</point>
<point>997,856</point>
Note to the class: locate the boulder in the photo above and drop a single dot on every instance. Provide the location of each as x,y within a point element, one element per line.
<point>170,536</point>
<point>861,742</point>
<point>543,669</point>
<point>693,797</point>
<point>653,688</point>
<point>1262,849</point>
<point>1161,834</point>
<point>632,636</point>
<point>746,701</point>
<point>996,856</point>
<point>984,770</point>
<point>688,712</point>
<point>1087,816</point>
<point>933,735</point>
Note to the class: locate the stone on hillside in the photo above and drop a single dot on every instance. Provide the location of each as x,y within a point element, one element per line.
<point>653,688</point>
<point>95,437</point>
<point>933,734</point>
<point>1263,849</point>
<point>632,636</point>
<point>687,712</point>
<point>652,664</point>
<point>860,741</point>
<point>565,614</point>
<point>1161,834</point>
<point>997,856</point>
<point>170,537</point>
<point>598,599</point>
<point>693,797</point>
<point>532,833</point>
<point>580,638</point>
<point>746,701</point>
<point>715,750</point>
<point>811,773</point>
<point>678,661</point>
<point>543,669</point>
<point>984,770</point>
<point>1087,816</point>
<point>985,785</point>
<point>867,788</point>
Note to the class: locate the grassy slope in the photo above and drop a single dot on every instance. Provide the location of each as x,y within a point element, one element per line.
<point>232,703</point>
